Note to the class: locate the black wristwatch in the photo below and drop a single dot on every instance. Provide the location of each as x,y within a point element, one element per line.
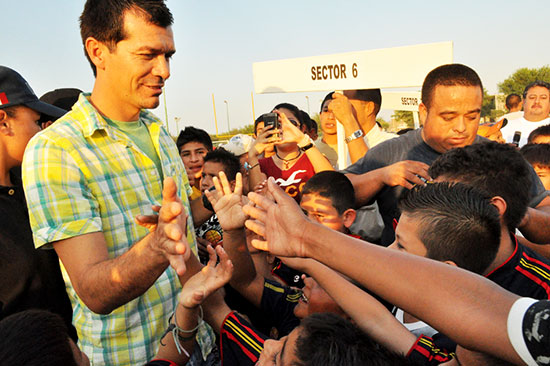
<point>307,147</point>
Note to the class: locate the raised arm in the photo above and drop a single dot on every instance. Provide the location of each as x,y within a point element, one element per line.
<point>342,109</point>
<point>265,138</point>
<point>292,133</point>
<point>367,312</point>
<point>228,205</point>
<point>468,308</point>
<point>104,284</point>
<point>177,344</point>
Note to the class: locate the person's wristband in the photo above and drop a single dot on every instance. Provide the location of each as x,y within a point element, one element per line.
<point>305,143</point>
<point>355,135</point>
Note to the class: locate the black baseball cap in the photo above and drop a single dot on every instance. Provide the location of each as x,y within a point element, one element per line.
<point>14,90</point>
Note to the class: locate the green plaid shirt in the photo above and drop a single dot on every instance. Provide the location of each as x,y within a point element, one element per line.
<point>83,176</point>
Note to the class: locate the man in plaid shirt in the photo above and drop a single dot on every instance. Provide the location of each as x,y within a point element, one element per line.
<point>105,162</point>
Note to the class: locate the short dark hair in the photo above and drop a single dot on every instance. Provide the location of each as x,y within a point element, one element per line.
<point>448,75</point>
<point>333,185</point>
<point>306,120</point>
<point>35,338</point>
<point>367,95</point>
<point>459,223</point>
<point>314,126</point>
<point>541,83</point>
<point>256,122</point>
<point>537,154</point>
<point>498,169</point>
<point>539,131</point>
<point>327,97</point>
<point>192,134</point>
<point>328,339</point>
<point>513,100</point>
<point>230,162</point>
<point>104,20</point>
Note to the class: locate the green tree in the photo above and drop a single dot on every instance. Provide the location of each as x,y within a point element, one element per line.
<point>488,104</point>
<point>517,82</point>
<point>404,116</point>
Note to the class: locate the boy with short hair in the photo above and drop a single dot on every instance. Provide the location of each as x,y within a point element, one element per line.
<point>538,155</point>
<point>193,145</point>
<point>540,135</point>
<point>214,162</point>
<point>328,198</point>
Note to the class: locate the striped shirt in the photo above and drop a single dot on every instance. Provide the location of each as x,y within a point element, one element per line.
<point>82,175</point>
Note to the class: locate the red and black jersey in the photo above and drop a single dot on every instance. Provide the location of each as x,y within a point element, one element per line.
<point>525,273</point>
<point>240,343</point>
<point>425,352</point>
<point>278,303</point>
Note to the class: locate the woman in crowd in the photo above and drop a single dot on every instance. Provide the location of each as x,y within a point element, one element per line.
<point>296,157</point>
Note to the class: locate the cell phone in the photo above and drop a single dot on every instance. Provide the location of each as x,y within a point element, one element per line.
<point>205,202</point>
<point>516,138</point>
<point>272,119</point>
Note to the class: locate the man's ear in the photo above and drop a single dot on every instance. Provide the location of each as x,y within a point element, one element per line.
<point>370,107</point>
<point>96,51</point>
<point>500,204</point>
<point>422,113</point>
<point>5,125</point>
<point>349,217</point>
<point>451,263</point>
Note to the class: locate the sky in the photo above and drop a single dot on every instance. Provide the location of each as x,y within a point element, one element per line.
<point>218,41</point>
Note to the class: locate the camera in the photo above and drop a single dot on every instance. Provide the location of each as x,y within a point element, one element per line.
<point>516,138</point>
<point>272,119</point>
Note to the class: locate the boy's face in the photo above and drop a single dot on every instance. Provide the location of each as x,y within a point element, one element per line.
<point>544,174</point>
<point>315,300</point>
<point>406,236</point>
<point>192,154</point>
<point>320,209</point>
<point>209,171</point>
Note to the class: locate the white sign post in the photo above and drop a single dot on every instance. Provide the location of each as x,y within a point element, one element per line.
<point>399,67</point>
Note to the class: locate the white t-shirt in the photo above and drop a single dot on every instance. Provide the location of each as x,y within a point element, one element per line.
<point>523,126</point>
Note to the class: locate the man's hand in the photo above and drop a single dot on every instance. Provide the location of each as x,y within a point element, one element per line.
<point>228,204</point>
<point>279,220</point>
<point>150,222</point>
<point>170,236</point>
<point>405,173</point>
<point>342,109</point>
<point>208,280</point>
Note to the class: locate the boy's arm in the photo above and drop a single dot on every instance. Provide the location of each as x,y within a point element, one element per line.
<point>367,312</point>
<point>470,309</point>
<point>177,345</point>
<point>228,206</point>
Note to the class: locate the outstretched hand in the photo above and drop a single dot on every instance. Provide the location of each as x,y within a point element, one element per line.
<point>406,173</point>
<point>228,204</point>
<point>279,220</point>
<point>209,279</point>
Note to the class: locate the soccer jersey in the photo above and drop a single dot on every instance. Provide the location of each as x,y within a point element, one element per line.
<point>278,303</point>
<point>525,273</point>
<point>240,343</point>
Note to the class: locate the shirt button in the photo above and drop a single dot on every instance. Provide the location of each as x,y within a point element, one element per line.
<point>11,192</point>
